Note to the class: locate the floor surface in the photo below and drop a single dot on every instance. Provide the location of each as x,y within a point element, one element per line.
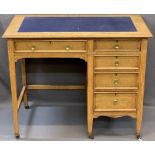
<point>66,120</point>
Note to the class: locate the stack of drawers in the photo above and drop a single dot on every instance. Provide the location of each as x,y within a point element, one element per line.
<point>116,70</point>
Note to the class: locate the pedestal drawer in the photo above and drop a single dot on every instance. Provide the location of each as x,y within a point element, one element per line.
<point>114,101</point>
<point>117,45</point>
<point>52,46</point>
<point>115,80</point>
<point>116,62</point>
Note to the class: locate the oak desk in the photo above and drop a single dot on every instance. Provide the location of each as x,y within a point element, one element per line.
<point>114,47</point>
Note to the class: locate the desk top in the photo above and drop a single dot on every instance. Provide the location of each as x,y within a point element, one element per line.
<point>77,26</point>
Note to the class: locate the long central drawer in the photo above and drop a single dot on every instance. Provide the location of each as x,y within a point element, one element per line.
<point>51,45</point>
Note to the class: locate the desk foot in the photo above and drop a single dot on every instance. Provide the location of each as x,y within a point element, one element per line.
<point>17,136</point>
<point>27,107</point>
<point>139,138</point>
<point>91,136</point>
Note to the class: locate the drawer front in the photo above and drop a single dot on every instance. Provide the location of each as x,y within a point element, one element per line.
<point>117,45</point>
<point>115,80</point>
<point>114,101</point>
<point>116,61</point>
<point>52,46</point>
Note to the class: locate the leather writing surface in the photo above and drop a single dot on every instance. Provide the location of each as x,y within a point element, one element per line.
<point>77,24</point>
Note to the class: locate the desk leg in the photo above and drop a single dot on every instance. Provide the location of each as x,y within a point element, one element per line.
<point>141,87</point>
<point>90,98</point>
<point>12,68</point>
<point>23,67</point>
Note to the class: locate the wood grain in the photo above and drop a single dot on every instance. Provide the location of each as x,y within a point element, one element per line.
<point>115,80</point>
<point>117,62</point>
<point>50,46</point>
<point>24,81</point>
<point>141,86</point>
<point>20,98</point>
<point>114,101</point>
<point>56,87</point>
<point>90,103</point>
<point>125,45</point>
<point>13,82</point>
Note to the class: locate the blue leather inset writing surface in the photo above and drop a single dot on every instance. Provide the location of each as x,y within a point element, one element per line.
<point>77,24</point>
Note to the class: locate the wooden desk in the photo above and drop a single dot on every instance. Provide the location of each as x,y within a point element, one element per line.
<point>114,47</point>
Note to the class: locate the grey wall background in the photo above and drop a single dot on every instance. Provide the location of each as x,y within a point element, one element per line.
<point>64,71</point>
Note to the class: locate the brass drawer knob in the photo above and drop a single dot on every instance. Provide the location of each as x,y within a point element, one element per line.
<point>116,63</point>
<point>67,48</point>
<point>33,48</point>
<point>115,101</point>
<point>116,47</point>
<point>115,81</point>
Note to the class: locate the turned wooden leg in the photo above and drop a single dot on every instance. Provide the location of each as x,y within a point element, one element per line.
<point>12,68</point>
<point>23,67</point>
